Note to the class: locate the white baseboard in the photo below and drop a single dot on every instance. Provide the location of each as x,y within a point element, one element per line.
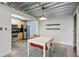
<point>4,54</point>
<point>63,45</point>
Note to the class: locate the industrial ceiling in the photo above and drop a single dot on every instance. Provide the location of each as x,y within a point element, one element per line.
<point>51,9</point>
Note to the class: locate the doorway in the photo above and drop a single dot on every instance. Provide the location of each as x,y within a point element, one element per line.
<point>75,32</point>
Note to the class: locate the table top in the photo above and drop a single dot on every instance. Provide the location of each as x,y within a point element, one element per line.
<point>40,40</point>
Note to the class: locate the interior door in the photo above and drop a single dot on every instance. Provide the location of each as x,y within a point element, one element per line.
<point>75,32</point>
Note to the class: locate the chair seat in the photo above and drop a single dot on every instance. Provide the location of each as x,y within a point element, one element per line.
<point>38,46</point>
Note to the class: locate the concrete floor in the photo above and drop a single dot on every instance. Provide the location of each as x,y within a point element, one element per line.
<point>19,49</point>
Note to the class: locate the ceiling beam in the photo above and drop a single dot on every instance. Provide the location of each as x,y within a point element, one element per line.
<point>57,12</point>
<point>21,5</point>
<point>60,5</point>
<point>30,4</point>
<point>55,15</point>
<point>38,7</point>
<point>61,14</point>
<point>9,3</point>
<point>54,5</point>
<point>61,11</point>
<point>52,10</point>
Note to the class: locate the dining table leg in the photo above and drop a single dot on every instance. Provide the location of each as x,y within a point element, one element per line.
<point>44,51</point>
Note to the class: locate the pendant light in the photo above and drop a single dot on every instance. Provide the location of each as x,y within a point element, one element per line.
<point>42,17</point>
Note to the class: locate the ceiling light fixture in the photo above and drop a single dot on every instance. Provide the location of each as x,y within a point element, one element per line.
<point>43,17</point>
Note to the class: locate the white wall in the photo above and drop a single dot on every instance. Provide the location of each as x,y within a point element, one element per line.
<point>5,21</point>
<point>64,35</point>
<point>77,12</point>
<point>5,36</point>
<point>19,13</point>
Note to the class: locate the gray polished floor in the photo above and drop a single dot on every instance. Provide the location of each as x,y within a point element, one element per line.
<point>19,49</point>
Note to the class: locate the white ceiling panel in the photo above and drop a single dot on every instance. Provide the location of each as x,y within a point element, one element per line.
<point>52,9</point>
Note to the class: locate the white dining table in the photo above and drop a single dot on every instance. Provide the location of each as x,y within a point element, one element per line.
<point>40,41</point>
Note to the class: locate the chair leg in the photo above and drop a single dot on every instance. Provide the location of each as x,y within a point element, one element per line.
<point>52,49</point>
<point>41,53</point>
